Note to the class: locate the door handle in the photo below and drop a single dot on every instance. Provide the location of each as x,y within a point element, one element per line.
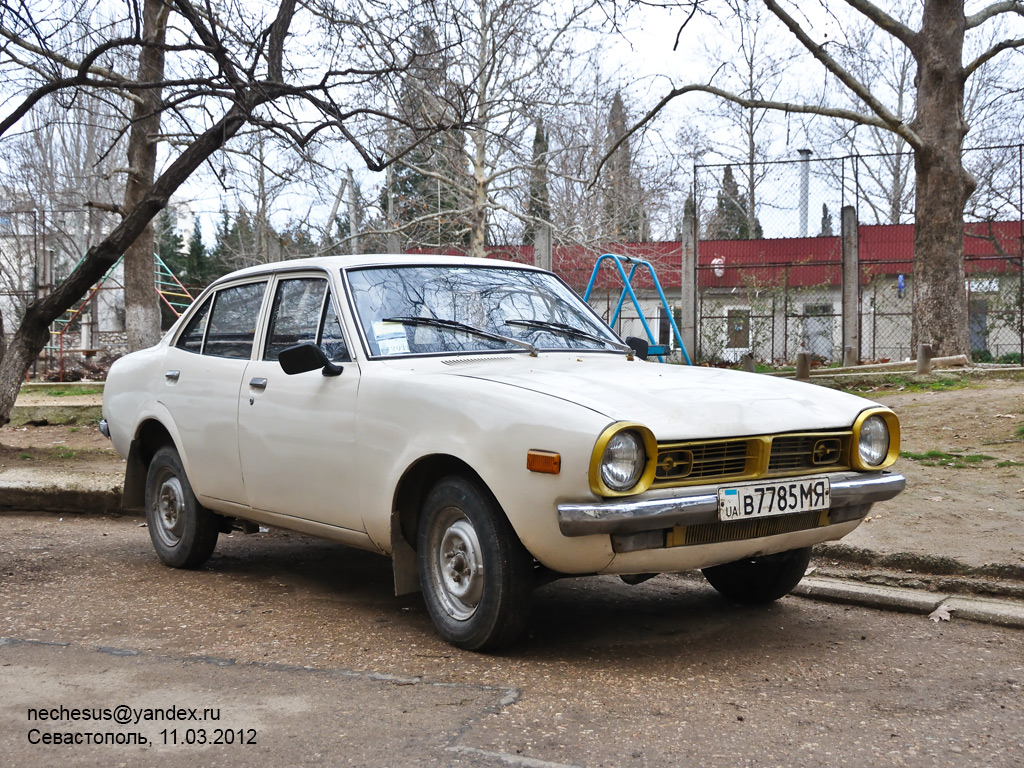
<point>172,375</point>
<point>258,383</point>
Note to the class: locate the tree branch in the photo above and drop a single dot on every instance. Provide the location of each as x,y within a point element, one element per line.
<point>888,120</point>
<point>87,65</point>
<point>1007,6</point>
<point>991,53</point>
<point>277,33</point>
<point>885,22</point>
<point>777,106</point>
<point>100,206</point>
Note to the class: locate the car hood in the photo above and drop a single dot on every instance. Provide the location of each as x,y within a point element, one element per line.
<point>679,402</point>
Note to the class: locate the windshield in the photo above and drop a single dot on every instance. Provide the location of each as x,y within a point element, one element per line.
<point>396,307</point>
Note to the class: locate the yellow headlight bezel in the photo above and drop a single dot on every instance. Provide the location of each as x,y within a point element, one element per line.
<point>597,484</point>
<point>892,423</point>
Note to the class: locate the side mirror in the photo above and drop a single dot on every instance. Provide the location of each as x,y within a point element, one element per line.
<point>303,358</point>
<point>641,347</point>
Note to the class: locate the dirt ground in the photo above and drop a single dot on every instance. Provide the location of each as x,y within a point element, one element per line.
<point>57,448</point>
<point>967,504</point>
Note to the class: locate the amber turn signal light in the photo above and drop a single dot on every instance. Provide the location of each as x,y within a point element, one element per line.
<point>543,461</point>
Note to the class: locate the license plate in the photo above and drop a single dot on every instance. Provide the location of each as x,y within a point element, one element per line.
<point>785,497</point>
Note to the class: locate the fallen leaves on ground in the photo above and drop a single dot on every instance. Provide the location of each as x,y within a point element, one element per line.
<point>942,613</point>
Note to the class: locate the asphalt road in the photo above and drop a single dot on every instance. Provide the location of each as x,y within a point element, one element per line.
<point>296,651</point>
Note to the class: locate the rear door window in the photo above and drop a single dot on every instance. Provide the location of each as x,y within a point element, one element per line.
<point>191,339</point>
<point>236,311</point>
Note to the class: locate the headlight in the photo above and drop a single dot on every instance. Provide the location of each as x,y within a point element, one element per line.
<point>874,441</point>
<point>623,461</point>
<point>877,432</point>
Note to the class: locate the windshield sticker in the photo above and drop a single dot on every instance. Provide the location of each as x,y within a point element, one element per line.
<point>391,338</point>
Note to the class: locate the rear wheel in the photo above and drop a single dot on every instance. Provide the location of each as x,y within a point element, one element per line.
<point>183,532</point>
<point>477,577</point>
<point>759,580</point>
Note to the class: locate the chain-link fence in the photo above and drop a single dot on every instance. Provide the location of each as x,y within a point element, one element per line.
<point>769,265</point>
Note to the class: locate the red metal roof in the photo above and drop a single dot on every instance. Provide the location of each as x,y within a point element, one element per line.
<point>796,262</point>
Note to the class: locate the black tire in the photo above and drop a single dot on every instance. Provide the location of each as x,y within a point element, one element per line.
<point>184,533</point>
<point>477,577</point>
<point>760,580</point>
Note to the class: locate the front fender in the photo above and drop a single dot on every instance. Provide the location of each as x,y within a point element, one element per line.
<point>467,426</point>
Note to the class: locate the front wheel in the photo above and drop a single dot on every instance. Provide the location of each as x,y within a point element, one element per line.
<point>760,580</point>
<point>184,533</point>
<point>476,576</point>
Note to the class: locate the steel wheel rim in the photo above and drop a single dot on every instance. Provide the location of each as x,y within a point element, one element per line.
<point>458,566</point>
<point>169,509</point>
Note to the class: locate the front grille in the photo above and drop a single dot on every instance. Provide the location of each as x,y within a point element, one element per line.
<point>714,533</point>
<point>704,460</point>
<point>794,453</point>
<point>749,458</point>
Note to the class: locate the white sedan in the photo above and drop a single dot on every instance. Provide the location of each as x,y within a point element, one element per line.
<point>479,423</point>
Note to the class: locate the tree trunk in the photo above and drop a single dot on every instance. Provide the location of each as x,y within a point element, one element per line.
<point>943,184</point>
<point>478,210</point>
<point>142,306</point>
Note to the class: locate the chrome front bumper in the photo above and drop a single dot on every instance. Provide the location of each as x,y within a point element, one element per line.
<point>693,506</point>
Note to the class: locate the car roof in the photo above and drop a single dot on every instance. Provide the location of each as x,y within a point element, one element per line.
<point>373,260</point>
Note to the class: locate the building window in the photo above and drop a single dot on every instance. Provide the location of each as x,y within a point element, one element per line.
<point>738,334</point>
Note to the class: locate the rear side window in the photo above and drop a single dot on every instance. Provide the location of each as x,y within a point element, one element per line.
<point>232,326</point>
<point>191,339</point>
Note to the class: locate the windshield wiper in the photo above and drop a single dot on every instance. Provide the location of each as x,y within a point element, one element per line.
<point>569,330</point>
<point>455,325</point>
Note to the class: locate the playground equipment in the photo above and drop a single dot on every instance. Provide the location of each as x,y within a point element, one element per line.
<point>656,349</point>
<point>170,290</point>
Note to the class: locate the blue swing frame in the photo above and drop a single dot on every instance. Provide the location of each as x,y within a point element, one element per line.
<point>657,350</point>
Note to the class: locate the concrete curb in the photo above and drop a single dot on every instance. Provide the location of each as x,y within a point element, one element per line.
<point>1004,613</point>
<point>62,500</point>
<point>25,489</point>
<point>934,565</point>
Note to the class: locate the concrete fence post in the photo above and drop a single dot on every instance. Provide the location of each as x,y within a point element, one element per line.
<point>543,247</point>
<point>850,248</point>
<point>803,366</point>
<point>924,358</point>
<point>688,286</point>
<point>849,357</point>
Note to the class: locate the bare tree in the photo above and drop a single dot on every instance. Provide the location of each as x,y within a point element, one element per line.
<point>226,66</point>
<point>67,154</point>
<point>884,160</point>
<point>583,200</point>
<point>753,65</point>
<point>935,135</point>
<point>516,58</point>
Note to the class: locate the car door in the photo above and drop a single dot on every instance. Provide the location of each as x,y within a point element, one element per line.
<point>202,379</point>
<point>297,433</point>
